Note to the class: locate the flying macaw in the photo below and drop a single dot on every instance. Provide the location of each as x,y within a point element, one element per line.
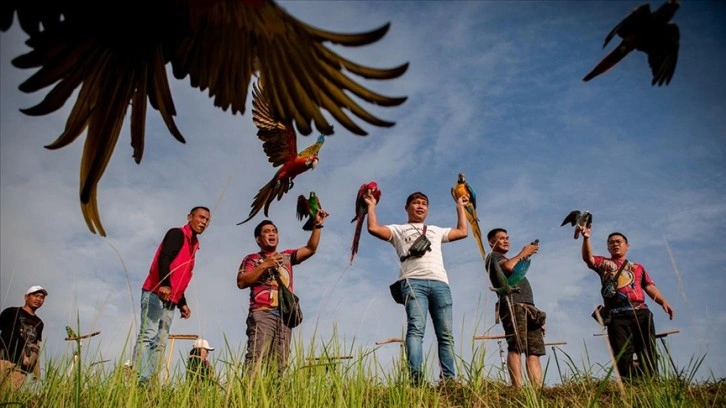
<point>116,52</point>
<point>652,33</point>
<point>579,220</point>
<point>280,145</point>
<point>308,207</point>
<point>361,209</point>
<point>462,188</point>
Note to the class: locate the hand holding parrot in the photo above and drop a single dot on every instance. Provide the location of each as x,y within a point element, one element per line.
<point>463,189</point>
<point>368,194</point>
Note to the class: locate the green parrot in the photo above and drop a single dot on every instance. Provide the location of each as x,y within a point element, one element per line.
<point>308,208</point>
<point>71,334</point>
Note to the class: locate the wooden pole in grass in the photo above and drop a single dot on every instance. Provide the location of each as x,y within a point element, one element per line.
<point>173,338</point>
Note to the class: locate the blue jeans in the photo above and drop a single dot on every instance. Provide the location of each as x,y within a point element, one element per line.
<point>156,317</point>
<point>422,295</point>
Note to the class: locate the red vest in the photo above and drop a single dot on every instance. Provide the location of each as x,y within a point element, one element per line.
<point>181,267</point>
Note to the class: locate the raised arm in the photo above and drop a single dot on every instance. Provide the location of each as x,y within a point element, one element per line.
<point>587,249</point>
<point>378,231</point>
<point>528,250</point>
<point>312,245</point>
<point>462,226</point>
<point>655,294</point>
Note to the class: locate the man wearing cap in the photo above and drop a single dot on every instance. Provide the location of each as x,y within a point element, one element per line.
<point>198,367</point>
<point>267,334</point>
<point>163,291</point>
<point>21,332</point>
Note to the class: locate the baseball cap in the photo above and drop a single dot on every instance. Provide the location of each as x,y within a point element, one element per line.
<point>201,343</point>
<point>35,289</point>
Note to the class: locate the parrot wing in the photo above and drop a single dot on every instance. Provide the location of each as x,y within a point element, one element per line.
<point>303,207</point>
<point>518,272</point>
<point>115,54</point>
<point>279,138</point>
<point>571,218</point>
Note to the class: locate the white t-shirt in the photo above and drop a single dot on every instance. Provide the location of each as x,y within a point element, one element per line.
<point>429,266</point>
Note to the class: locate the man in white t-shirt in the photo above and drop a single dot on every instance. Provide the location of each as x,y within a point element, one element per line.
<point>423,279</point>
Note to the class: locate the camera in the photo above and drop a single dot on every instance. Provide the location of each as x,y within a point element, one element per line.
<point>418,248</point>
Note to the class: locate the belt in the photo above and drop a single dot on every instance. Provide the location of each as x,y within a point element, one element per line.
<point>628,308</point>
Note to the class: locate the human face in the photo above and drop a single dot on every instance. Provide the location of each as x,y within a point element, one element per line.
<point>417,209</point>
<point>268,238</point>
<point>198,220</point>
<point>617,246</point>
<point>500,242</point>
<point>35,300</point>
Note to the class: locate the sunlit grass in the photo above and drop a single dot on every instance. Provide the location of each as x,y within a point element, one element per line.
<point>329,373</point>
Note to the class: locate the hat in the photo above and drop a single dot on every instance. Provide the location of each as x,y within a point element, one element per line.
<point>201,343</point>
<point>36,289</point>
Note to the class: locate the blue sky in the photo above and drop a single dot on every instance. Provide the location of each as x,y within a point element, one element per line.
<point>495,91</point>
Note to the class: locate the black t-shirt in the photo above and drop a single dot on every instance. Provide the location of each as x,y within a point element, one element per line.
<point>525,291</point>
<point>16,328</point>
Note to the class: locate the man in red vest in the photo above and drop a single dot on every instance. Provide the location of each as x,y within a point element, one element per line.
<point>169,275</point>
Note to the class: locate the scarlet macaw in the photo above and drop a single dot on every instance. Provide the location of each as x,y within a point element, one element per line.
<point>462,188</point>
<point>280,145</point>
<point>579,220</point>
<point>361,209</point>
<point>652,33</point>
<point>308,207</point>
<point>117,51</point>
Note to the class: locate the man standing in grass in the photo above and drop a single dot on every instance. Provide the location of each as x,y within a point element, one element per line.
<point>21,331</point>
<point>424,283</point>
<point>627,317</point>
<point>163,291</point>
<point>523,323</point>
<point>267,334</point>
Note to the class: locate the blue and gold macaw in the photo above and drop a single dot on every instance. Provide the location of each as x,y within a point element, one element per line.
<point>463,188</point>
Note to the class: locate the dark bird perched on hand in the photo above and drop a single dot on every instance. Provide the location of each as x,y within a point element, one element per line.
<point>652,33</point>
<point>308,207</point>
<point>462,188</point>
<point>579,220</point>
<point>361,209</point>
<point>280,145</point>
<point>116,52</point>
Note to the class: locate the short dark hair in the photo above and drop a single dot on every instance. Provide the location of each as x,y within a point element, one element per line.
<point>199,207</point>
<point>494,232</point>
<point>258,228</point>
<point>415,195</point>
<point>618,233</point>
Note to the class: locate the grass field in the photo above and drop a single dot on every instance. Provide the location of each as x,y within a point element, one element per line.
<point>359,380</point>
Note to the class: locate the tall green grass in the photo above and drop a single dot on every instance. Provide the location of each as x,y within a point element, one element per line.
<point>317,377</point>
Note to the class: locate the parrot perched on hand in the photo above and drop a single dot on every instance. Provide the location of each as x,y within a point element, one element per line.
<point>579,220</point>
<point>463,188</point>
<point>308,207</point>
<point>652,33</point>
<point>112,57</point>
<point>280,145</point>
<point>361,209</point>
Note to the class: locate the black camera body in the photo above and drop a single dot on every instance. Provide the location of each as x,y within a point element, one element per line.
<point>418,248</point>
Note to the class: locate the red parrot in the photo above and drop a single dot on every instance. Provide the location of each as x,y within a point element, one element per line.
<point>116,54</point>
<point>650,32</point>
<point>280,145</point>
<point>361,209</point>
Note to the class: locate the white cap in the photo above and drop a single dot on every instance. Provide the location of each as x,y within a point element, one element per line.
<point>36,288</point>
<point>201,343</point>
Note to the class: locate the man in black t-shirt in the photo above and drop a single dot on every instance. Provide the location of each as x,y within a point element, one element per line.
<point>523,323</point>
<point>21,332</point>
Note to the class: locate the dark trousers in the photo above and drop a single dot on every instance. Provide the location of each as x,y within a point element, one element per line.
<point>631,332</point>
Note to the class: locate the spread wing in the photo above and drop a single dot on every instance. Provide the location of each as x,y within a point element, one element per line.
<point>571,218</point>
<point>663,55</point>
<point>630,24</point>
<point>278,137</point>
<point>303,76</point>
<point>303,207</point>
